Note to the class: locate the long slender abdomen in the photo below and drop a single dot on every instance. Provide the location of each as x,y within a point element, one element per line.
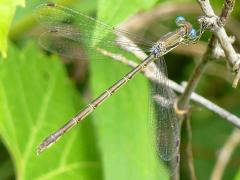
<point>94,104</point>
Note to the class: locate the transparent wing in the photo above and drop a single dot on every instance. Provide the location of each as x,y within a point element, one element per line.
<point>167,124</point>
<point>173,165</point>
<point>70,29</point>
<point>164,121</point>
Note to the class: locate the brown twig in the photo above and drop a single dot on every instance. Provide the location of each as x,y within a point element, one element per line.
<point>225,154</point>
<point>219,31</point>
<point>200,68</point>
<point>189,151</point>
<point>227,9</point>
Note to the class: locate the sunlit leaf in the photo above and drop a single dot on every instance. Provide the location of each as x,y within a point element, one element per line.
<point>7,9</point>
<point>37,98</point>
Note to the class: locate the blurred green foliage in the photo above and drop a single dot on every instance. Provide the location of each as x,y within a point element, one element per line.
<point>7,9</point>
<point>45,96</point>
<point>37,97</point>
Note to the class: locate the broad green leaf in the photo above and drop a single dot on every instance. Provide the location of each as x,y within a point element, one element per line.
<point>36,98</point>
<point>7,9</point>
<point>122,121</point>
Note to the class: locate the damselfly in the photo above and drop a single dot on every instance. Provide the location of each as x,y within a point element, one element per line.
<point>62,24</point>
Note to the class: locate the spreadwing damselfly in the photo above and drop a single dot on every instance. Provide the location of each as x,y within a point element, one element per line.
<point>62,24</point>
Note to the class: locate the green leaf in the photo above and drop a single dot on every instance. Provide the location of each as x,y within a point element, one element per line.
<point>37,98</point>
<point>237,176</point>
<point>114,12</point>
<point>122,121</point>
<point>7,9</point>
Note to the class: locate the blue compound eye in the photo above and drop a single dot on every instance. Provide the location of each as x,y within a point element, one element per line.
<point>192,34</point>
<point>180,20</point>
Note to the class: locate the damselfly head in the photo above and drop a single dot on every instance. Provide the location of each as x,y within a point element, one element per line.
<point>180,20</point>
<point>192,34</point>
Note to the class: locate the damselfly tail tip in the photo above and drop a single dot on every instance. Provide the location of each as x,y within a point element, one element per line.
<point>38,152</point>
<point>46,143</point>
<point>40,149</point>
<point>43,146</point>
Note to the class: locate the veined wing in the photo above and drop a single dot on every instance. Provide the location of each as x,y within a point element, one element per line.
<point>164,121</point>
<point>70,29</point>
